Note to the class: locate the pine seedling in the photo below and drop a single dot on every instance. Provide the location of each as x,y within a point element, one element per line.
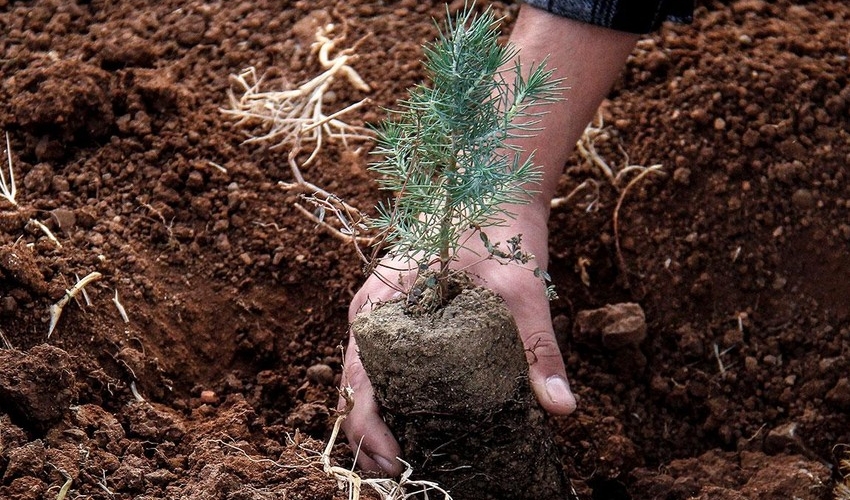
<point>446,153</point>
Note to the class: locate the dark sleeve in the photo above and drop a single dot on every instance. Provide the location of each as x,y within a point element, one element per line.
<point>634,16</point>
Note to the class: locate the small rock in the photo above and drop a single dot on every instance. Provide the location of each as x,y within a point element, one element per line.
<point>682,176</point>
<point>8,305</point>
<point>689,342</point>
<point>39,179</point>
<point>618,325</point>
<point>209,397</point>
<point>25,459</point>
<point>195,180</point>
<point>65,219</point>
<point>154,421</point>
<point>784,438</point>
<point>803,198</point>
<point>321,374</point>
<point>308,417</point>
<point>840,394</point>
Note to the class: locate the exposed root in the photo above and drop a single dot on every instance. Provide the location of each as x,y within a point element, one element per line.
<point>387,489</point>
<point>5,341</point>
<point>842,488</point>
<point>120,307</point>
<point>586,145</point>
<point>56,309</point>
<point>644,171</point>
<point>596,131</point>
<point>47,232</point>
<point>588,185</point>
<point>8,191</point>
<point>296,116</point>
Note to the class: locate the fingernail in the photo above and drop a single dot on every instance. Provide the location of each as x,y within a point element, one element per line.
<point>558,391</point>
<point>383,463</point>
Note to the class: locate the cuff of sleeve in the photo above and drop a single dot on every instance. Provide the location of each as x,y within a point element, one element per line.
<point>633,16</point>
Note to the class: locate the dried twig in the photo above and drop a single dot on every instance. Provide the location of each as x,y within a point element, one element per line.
<point>217,166</point>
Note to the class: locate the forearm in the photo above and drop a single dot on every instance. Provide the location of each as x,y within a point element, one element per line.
<point>588,59</point>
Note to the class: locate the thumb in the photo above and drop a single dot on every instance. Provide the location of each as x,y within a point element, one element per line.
<point>368,436</point>
<point>546,373</point>
<point>546,364</point>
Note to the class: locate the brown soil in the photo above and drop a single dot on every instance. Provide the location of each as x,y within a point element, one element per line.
<point>113,115</point>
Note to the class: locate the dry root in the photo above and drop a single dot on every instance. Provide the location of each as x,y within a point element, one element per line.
<point>596,131</point>
<point>8,190</point>
<point>294,117</point>
<point>56,309</point>
<point>387,489</point>
<point>616,177</point>
<point>842,488</point>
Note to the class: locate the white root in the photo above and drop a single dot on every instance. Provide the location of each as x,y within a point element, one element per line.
<point>386,488</point>
<point>46,231</point>
<point>8,191</point>
<point>84,292</point>
<point>56,309</point>
<point>586,146</point>
<point>120,307</point>
<point>297,116</point>
<point>6,343</point>
<point>136,395</point>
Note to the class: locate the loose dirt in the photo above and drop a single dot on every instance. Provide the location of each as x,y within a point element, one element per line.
<point>739,256</point>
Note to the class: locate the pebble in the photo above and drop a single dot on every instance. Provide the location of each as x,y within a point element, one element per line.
<point>839,395</point>
<point>618,325</point>
<point>321,374</point>
<point>782,438</point>
<point>66,219</point>
<point>803,198</point>
<point>208,397</point>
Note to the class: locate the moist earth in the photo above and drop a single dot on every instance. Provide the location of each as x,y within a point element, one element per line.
<point>221,381</point>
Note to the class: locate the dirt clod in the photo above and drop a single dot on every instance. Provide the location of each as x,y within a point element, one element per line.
<point>36,386</point>
<point>615,325</point>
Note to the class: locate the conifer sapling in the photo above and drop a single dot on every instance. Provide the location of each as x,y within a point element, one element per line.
<point>447,153</point>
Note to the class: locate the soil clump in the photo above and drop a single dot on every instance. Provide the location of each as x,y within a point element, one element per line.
<point>453,387</point>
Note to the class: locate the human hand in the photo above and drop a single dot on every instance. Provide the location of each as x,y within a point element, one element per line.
<point>525,296</point>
